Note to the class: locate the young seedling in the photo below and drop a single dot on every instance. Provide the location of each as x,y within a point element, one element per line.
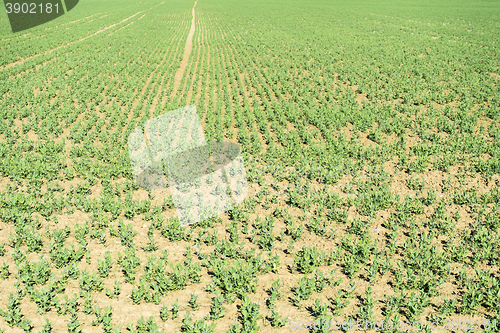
<point>217,309</point>
<point>13,316</point>
<point>74,325</point>
<point>275,319</point>
<point>4,271</point>
<point>164,313</point>
<point>193,302</point>
<point>87,304</point>
<point>198,326</point>
<point>249,314</point>
<point>175,310</point>
<point>47,328</point>
<point>274,292</point>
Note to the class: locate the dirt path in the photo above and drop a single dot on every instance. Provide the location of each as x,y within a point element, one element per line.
<point>76,41</point>
<point>62,46</point>
<point>187,52</point>
<point>41,36</point>
<point>127,25</point>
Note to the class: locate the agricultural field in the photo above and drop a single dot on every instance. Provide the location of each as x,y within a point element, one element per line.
<point>370,134</point>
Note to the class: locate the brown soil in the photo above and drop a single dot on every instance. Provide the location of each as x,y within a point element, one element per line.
<point>165,97</point>
<point>127,25</point>
<point>22,60</point>
<point>124,311</point>
<point>187,52</point>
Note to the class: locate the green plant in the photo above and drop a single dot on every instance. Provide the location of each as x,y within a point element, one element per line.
<point>129,263</point>
<point>197,327</point>
<point>304,290</point>
<point>217,308</point>
<point>81,231</point>
<point>144,326</point>
<point>274,292</point>
<point>249,314</point>
<point>193,302</point>
<point>275,319</point>
<point>175,310</point>
<point>90,281</point>
<point>138,293</point>
<point>87,304</point>
<point>373,119</point>
<point>308,259</point>
<point>74,325</point>
<point>366,310</point>
<point>104,266</point>
<point>4,271</point>
<point>164,313</point>
<point>71,304</point>
<point>13,315</point>
<point>47,328</point>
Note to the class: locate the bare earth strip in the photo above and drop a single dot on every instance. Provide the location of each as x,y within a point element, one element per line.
<point>127,25</point>
<point>62,46</point>
<point>168,84</point>
<point>194,81</point>
<point>147,84</point>
<point>205,77</point>
<point>143,91</point>
<point>163,87</point>
<point>201,39</point>
<point>187,52</point>
<point>77,41</point>
<point>31,33</point>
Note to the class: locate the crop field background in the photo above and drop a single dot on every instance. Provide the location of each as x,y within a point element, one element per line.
<point>370,132</point>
